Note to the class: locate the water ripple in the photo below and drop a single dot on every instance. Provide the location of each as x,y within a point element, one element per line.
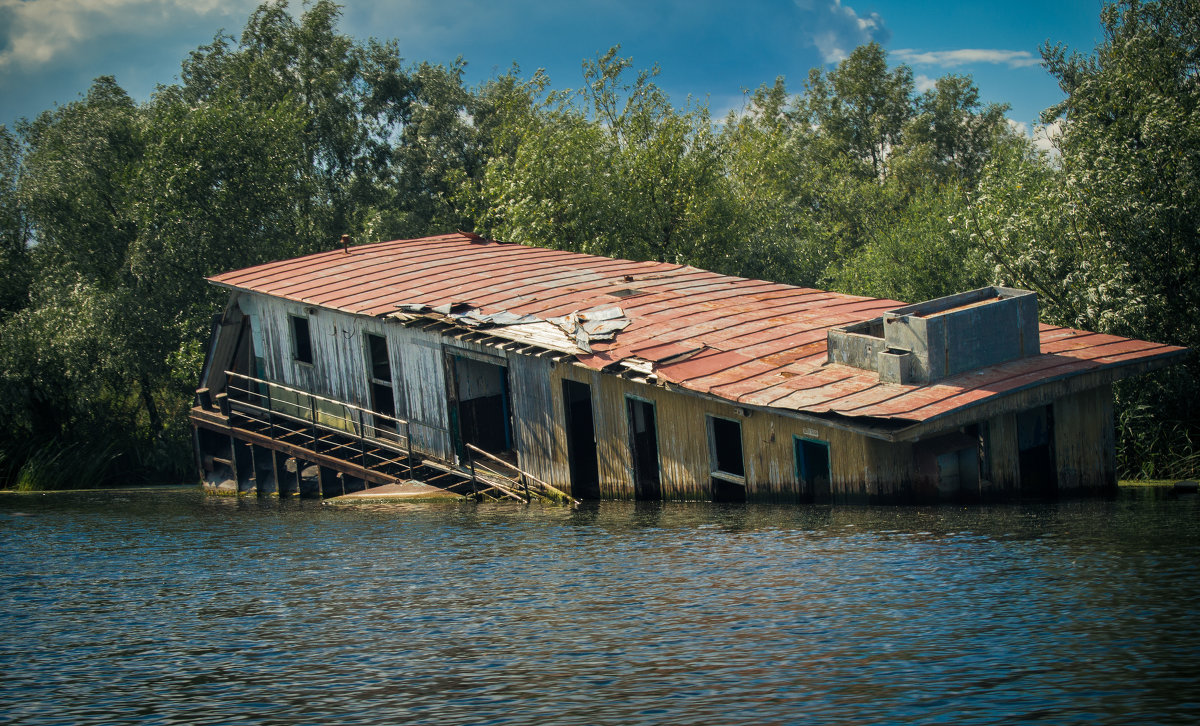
<point>174,608</point>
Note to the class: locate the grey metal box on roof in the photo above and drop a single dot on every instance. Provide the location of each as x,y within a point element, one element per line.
<point>942,337</point>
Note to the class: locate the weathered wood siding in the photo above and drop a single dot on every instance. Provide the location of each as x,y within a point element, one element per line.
<point>538,433</point>
<point>1084,441</point>
<point>339,367</point>
<point>337,371</point>
<point>1002,474</point>
<point>862,468</point>
<point>423,387</point>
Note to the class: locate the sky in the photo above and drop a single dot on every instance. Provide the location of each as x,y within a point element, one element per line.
<point>712,50</point>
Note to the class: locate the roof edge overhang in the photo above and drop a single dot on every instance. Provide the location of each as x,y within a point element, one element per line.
<point>1039,393</point>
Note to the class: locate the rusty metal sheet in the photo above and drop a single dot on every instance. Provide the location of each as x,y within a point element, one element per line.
<point>750,341</point>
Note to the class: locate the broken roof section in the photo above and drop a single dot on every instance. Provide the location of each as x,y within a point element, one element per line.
<point>750,342</point>
<point>573,333</point>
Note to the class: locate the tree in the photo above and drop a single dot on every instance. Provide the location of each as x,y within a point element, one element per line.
<point>861,107</point>
<point>613,169</point>
<point>354,97</point>
<point>217,189</point>
<point>1131,160</point>
<point>78,164</point>
<point>441,148</point>
<point>919,254</point>
<point>15,270</point>
<point>953,131</point>
<point>779,187</point>
<point>1110,233</point>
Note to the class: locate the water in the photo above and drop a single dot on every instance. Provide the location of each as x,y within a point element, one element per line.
<point>172,607</point>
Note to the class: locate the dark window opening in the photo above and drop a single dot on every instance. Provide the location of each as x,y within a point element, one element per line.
<point>812,468</point>
<point>725,444</point>
<point>383,402</point>
<point>377,350</point>
<point>627,292</point>
<point>379,369</point>
<point>301,340</point>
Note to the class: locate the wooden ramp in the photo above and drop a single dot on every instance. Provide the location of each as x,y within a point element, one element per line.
<point>406,491</point>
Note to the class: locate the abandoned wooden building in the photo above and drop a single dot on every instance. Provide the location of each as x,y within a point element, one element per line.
<point>613,379</point>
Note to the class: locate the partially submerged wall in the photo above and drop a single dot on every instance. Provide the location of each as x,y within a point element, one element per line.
<point>861,468</point>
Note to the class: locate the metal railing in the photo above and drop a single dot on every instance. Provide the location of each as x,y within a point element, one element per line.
<point>336,428</point>
<point>317,420</point>
<point>493,470</point>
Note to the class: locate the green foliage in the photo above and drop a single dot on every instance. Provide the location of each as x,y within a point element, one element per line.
<point>918,254</point>
<point>1109,233</point>
<point>352,100</point>
<point>612,169</point>
<point>442,147</point>
<point>15,273</point>
<point>54,466</point>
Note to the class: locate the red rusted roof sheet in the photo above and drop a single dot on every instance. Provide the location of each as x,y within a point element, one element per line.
<point>747,341</point>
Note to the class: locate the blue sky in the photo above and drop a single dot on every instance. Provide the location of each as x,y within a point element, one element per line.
<point>713,50</point>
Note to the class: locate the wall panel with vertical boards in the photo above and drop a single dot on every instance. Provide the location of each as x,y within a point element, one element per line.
<point>1003,474</point>
<point>537,419</point>
<point>337,370</point>
<point>1084,441</point>
<point>424,390</point>
<point>860,466</point>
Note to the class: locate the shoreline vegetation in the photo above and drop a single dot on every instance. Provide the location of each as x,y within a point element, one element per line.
<point>276,142</point>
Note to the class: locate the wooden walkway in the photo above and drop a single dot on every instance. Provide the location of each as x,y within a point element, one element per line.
<point>345,448</point>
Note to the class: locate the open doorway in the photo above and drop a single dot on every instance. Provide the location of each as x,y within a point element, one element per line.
<point>581,440</point>
<point>481,392</point>
<point>643,448</point>
<point>1035,445</point>
<point>812,469</point>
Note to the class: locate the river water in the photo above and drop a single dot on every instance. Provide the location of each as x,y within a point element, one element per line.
<point>173,607</point>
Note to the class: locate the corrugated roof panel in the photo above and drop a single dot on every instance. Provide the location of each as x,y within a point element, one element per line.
<point>749,341</point>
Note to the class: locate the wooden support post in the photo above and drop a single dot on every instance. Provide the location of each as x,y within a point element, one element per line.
<point>408,443</point>
<point>362,439</point>
<point>204,398</point>
<point>270,414</point>
<point>474,483</point>
<point>312,407</point>
<point>233,466</point>
<point>223,404</point>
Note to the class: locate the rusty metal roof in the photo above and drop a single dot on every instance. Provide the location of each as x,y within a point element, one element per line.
<point>750,342</point>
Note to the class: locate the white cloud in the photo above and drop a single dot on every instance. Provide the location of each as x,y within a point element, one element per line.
<point>955,58</point>
<point>1044,136</point>
<point>924,83</point>
<point>838,29</point>
<point>40,33</point>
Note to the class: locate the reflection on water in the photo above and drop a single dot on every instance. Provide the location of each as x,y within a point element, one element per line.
<point>165,607</point>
